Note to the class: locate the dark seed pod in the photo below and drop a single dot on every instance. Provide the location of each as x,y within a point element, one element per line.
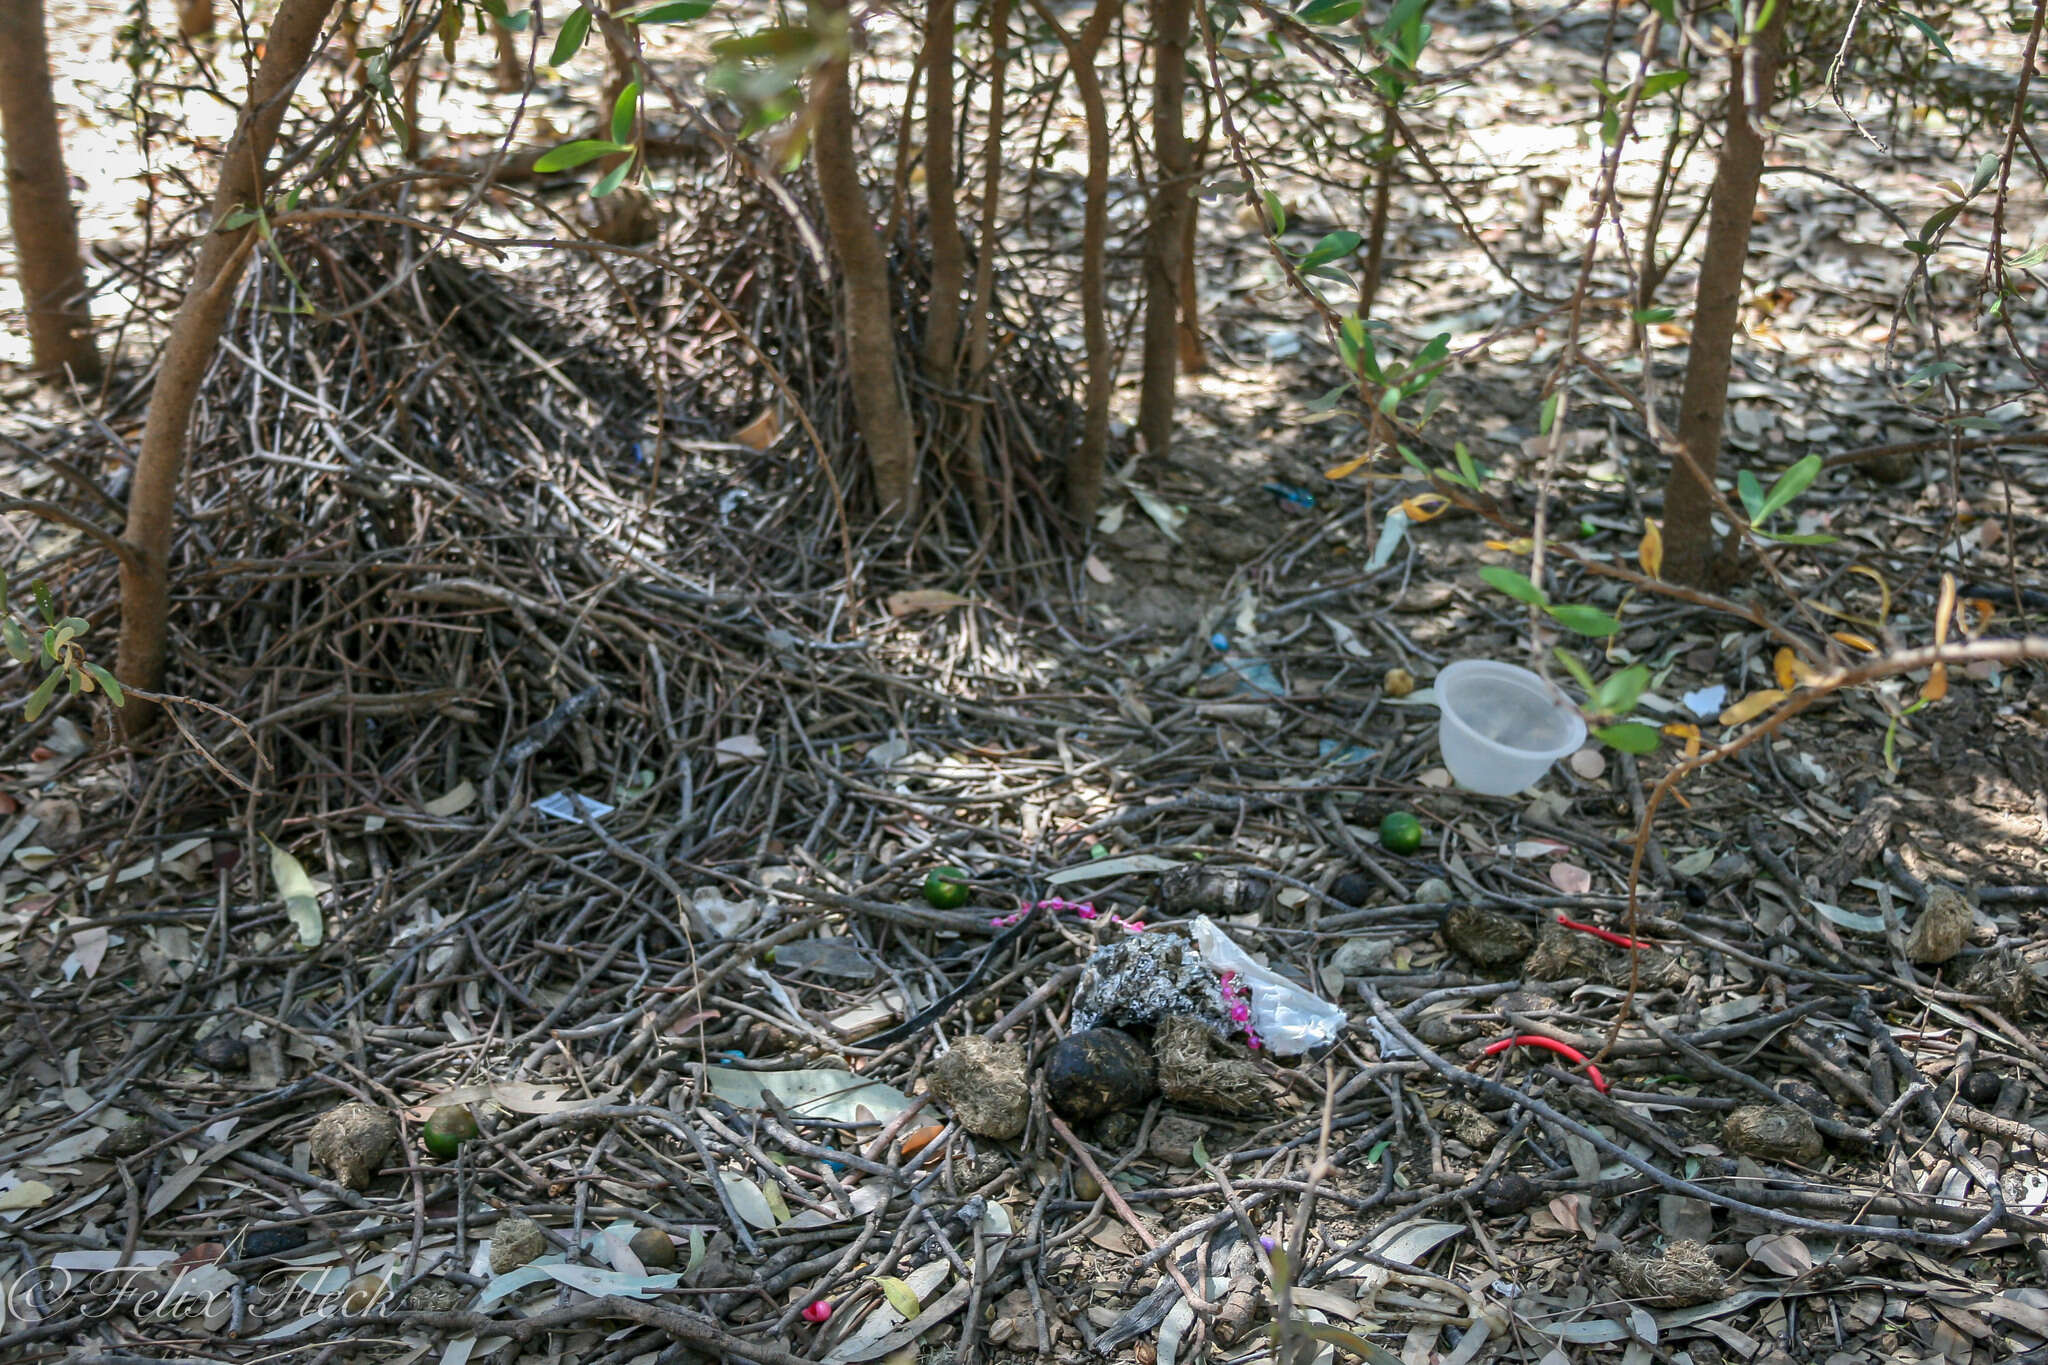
<point>1353,889</point>
<point>1982,1088</point>
<point>1098,1071</point>
<point>1505,1195</point>
<point>1198,889</point>
<point>222,1051</point>
<point>271,1241</point>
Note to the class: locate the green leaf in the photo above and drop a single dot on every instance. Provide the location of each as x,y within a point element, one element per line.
<point>1332,246</point>
<point>1278,1260</point>
<point>1667,8</point>
<point>512,23</point>
<point>1919,248</point>
<point>1577,670</point>
<point>570,155</point>
<point>1549,417</point>
<point>1276,213</point>
<point>1648,315</point>
<point>109,682</point>
<point>1515,585</point>
<point>17,643</point>
<point>900,1295</point>
<point>1410,458</point>
<point>569,41</point>
<point>1789,485</point>
<point>1938,220</point>
<point>43,602</point>
<point>1583,620</point>
<point>40,698</point>
<point>75,625</point>
<point>1617,696</point>
<point>1328,11</point>
<point>1751,492</point>
<point>1917,22</point>
<point>1467,466</point>
<point>623,110</point>
<point>1891,739</point>
<point>1199,1152</point>
<point>50,645</point>
<point>671,12</point>
<point>1657,84</point>
<point>1630,737</point>
<point>611,180</point>
<point>1987,171</point>
<point>1809,538</point>
<point>2030,258</point>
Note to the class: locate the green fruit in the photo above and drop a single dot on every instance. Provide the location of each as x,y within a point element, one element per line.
<point>447,1129</point>
<point>1400,832</point>
<point>945,888</point>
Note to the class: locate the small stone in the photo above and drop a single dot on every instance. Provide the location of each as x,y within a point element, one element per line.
<point>130,1139</point>
<point>1435,891</point>
<point>1506,1195</point>
<point>1355,956</point>
<point>1982,1088</point>
<point>515,1241</point>
<point>271,1241</point>
<point>1115,1132</point>
<point>985,1086</point>
<point>1202,1071</point>
<point>352,1140</point>
<point>435,1295</point>
<point>1399,682</point>
<point>1085,1185</point>
<point>1487,937</point>
<point>1685,1275</point>
<point>1353,889</point>
<point>1942,929</point>
<point>222,1051</point>
<point>1772,1132</point>
<point>653,1248</point>
<point>1470,1126</point>
<point>1173,1139</point>
<point>1098,1071</point>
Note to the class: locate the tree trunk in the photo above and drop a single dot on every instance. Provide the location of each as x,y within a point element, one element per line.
<point>1086,461</point>
<point>1172,205</point>
<point>52,274</point>
<point>1376,224</point>
<point>189,349</point>
<point>981,318</point>
<point>949,252</point>
<point>1703,402</point>
<point>864,295</point>
<point>510,72</point>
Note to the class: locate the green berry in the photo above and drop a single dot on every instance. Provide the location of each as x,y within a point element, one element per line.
<point>945,888</point>
<point>1400,832</point>
<point>447,1129</point>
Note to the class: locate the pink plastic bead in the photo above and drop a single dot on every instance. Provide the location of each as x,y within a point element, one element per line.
<point>819,1310</point>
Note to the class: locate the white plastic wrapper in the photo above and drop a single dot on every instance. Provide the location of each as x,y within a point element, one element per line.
<point>1289,1019</point>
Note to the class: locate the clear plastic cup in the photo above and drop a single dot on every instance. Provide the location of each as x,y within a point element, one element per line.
<point>1502,726</point>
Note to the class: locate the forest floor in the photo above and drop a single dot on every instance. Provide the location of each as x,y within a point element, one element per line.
<point>551,572</point>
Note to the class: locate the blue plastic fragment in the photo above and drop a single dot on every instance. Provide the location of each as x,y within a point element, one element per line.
<point>1219,641</point>
<point>1300,497</point>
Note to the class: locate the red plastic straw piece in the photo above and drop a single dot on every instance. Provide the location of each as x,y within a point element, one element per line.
<point>1618,940</point>
<point>1550,1044</point>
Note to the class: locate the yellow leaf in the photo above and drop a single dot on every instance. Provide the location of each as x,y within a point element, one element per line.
<point>1936,686</point>
<point>1790,670</point>
<point>1348,467</point>
<point>1650,552</point>
<point>1977,614</point>
<point>1521,545</point>
<point>1425,506</point>
<point>1855,641</point>
<point>1689,733</point>
<point>1752,706</point>
<point>1944,609</point>
<point>900,1295</point>
<point>1884,602</point>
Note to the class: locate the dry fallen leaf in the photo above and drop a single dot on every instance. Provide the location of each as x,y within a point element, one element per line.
<point>1571,879</point>
<point>1783,1253</point>
<point>760,433</point>
<point>924,599</point>
<point>1097,570</point>
<point>456,801</point>
<point>1689,733</point>
<point>740,749</point>
<point>1650,551</point>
